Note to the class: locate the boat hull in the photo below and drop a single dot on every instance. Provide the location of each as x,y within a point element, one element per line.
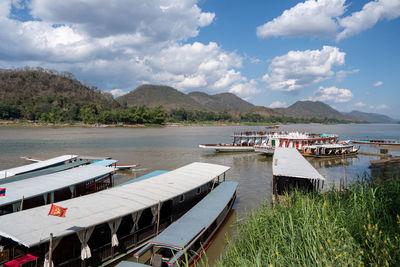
<point>227,148</point>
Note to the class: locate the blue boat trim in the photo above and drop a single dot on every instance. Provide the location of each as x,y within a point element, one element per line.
<point>144,177</point>
<point>104,163</point>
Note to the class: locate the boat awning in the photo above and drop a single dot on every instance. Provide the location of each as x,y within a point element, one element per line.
<point>40,185</point>
<point>180,233</point>
<point>33,226</point>
<point>36,166</point>
<point>289,162</point>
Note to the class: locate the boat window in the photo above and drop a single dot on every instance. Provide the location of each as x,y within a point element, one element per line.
<point>198,190</point>
<point>182,198</point>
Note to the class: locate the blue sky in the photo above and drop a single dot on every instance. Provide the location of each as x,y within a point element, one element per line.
<point>271,53</point>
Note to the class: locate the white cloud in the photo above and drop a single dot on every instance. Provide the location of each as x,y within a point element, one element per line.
<point>360,104</point>
<point>325,18</point>
<point>378,83</point>
<point>332,94</point>
<point>315,18</point>
<point>341,74</point>
<point>370,14</point>
<point>138,45</point>
<point>245,89</point>
<point>278,104</point>
<point>298,69</point>
<point>379,107</point>
<point>118,92</point>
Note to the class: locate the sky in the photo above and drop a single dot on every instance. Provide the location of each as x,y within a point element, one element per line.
<point>271,53</point>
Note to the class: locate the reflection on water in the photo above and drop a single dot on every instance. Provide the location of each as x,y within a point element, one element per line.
<point>172,147</point>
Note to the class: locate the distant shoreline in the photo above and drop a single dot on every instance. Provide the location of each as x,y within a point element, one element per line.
<point>5,123</point>
<point>26,123</point>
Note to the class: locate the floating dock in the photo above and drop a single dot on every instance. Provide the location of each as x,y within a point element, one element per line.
<point>291,170</point>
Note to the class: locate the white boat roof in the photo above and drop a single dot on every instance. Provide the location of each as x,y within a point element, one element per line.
<point>33,226</point>
<point>290,163</point>
<point>40,185</point>
<point>36,166</point>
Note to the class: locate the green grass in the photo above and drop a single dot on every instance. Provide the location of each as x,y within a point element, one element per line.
<point>360,226</point>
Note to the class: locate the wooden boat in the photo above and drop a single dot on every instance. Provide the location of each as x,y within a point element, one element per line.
<point>290,170</point>
<point>100,227</point>
<point>184,241</point>
<point>23,194</point>
<point>242,142</point>
<point>40,165</point>
<point>389,142</point>
<point>329,150</point>
<point>121,166</point>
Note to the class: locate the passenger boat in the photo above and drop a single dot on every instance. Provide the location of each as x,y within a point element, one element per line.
<point>242,142</point>
<point>23,194</point>
<point>100,227</point>
<point>40,165</point>
<point>377,142</point>
<point>185,240</point>
<point>121,166</point>
<point>329,150</point>
<point>294,139</point>
<point>290,170</point>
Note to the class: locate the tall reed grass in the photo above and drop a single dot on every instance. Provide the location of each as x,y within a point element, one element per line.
<point>356,227</point>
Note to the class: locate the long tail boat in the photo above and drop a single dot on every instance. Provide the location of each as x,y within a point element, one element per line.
<point>184,241</point>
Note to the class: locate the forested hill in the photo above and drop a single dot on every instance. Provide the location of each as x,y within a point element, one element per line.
<point>170,98</point>
<point>36,92</point>
<point>48,96</point>
<point>309,109</point>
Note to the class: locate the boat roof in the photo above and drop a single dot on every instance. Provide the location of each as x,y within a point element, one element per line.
<point>40,185</point>
<point>143,177</point>
<point>49,170</point>
<point>33,226</point>
<point>36,166</point>
<point>180,233</point>
<point>289,162</point>
<point>104,163</point>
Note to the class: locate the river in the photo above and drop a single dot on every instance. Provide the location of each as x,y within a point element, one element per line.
<point>171,147</point>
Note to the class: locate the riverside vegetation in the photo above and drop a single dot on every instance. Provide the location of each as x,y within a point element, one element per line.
<point>359,226</point>
<point>46,96</point>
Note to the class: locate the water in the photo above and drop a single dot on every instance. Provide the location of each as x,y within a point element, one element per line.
<point>172,147</point>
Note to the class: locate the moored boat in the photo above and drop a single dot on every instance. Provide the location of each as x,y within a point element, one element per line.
<point>329,150</point>
<point>294,139</point>
<point>242,142</point>
<point>99,227</point>
<point>390,142</point>
<point>185,240</point>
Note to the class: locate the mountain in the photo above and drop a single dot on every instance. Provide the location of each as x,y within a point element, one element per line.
<point>316,109</point>
<point>170,98</point>
<point>371,117</point>
<point>220,102</point>
<point>32,87</point>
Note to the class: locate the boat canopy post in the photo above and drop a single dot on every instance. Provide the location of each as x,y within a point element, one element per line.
<point>224,176</point>
<point>48,262</point>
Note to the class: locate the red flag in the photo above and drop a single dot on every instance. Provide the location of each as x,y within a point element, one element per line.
<point>2,192</point>
<point>57,211</point>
